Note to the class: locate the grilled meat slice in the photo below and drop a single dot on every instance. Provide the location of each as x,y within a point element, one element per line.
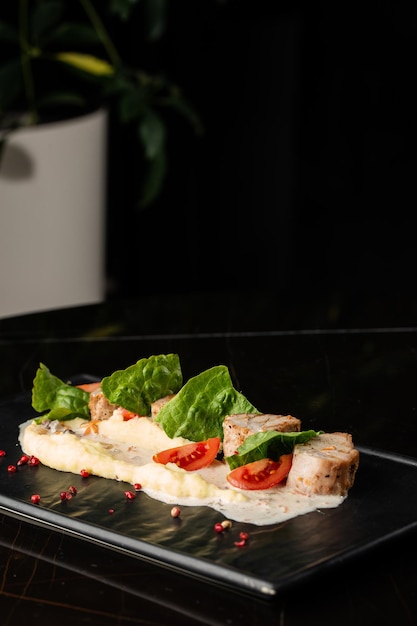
<point>237,427</point>
<point>158,404</point>
<point>325,465</point>
<point>100,407</point>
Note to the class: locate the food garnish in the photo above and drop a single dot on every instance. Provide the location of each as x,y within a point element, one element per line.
<point>198,442</point>
<point>200,406</point>
<point>262,474</point>
<point>137,386</point>
<point>191,456</point>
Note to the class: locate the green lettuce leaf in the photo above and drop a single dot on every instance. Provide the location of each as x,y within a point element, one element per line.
<point>270,444</point>
<point>61,401</point>
<point>198,410</point>
<point>137,386</point>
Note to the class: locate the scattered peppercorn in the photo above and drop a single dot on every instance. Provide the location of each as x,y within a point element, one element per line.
<point>243,539</point>
<point>219,527</point>
<point>65,495</point>
<point>226,523</point>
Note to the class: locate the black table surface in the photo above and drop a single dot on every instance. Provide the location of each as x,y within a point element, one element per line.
<point>338,362</point>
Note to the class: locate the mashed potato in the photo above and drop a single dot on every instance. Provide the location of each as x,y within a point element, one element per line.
<point>122,450</point>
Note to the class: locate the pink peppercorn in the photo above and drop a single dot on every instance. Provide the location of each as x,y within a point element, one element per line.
<point>243,539</point>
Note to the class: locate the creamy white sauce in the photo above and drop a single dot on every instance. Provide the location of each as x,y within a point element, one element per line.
<point>126,455</point>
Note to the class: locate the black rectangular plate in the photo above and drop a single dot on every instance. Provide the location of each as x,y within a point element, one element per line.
<point>276,557</point>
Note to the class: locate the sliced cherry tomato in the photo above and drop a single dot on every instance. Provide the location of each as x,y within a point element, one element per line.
<point>128,415</point>
<point>261,474</point>
<point>192,456</point>
<point>89,387</point>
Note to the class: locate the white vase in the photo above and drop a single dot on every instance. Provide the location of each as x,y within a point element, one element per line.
<point>53,215</point>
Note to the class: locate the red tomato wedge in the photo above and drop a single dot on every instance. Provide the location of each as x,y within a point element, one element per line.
<point>89,387</point>
<point>261,474</point>
<point>192,456</point>
<point>128,415</point>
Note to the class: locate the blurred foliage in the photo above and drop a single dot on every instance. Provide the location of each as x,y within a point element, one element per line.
<point>62,58</point>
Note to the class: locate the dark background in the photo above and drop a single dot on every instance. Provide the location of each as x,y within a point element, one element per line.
<point>305,175</point>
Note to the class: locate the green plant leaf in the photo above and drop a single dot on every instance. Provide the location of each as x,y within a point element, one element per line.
<point>199,408</point>
<point>117,86</point>
<point>71,35</point>
<point>50,392</point>
<point>181,106</point>
<point>44,19</point>
<point>155,12</point>
<point>86,63</point>
<point>153,178</point>
<point>149,379</point>
<point>133,103</point>
<point>152,134</point>
<point>268,444</point>
<point>122,8</point>
<point>62,99</point>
